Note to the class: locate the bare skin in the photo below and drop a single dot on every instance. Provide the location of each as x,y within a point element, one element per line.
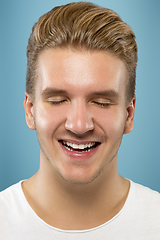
<point>75,189</point>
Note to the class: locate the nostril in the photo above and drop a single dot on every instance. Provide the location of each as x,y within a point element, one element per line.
<point>79,125</point>
<point>90,125</point>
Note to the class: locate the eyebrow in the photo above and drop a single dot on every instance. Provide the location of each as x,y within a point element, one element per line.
<point>107,93</point>
<point>48,92</point>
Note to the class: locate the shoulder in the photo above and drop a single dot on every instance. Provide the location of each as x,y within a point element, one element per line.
<point>10,197</point>
<point>144,193</point>
<point>14,189</point>
<point>145,200</point>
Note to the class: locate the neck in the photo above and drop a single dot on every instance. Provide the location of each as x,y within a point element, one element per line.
<point>71,206</point>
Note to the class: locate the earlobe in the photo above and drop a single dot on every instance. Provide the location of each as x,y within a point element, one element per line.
<point>130,116</point>
<point>28,107</point>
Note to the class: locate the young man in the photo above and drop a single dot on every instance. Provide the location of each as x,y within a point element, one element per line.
<point>80,99</point>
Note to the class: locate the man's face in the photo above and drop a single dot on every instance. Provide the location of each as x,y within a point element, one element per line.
<point>80,112</point>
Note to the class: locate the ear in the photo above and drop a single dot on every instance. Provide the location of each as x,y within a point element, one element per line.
<point>130,116</point>
<point>28,107</point>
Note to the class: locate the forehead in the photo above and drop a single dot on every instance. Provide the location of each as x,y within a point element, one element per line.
<point>80,71</point>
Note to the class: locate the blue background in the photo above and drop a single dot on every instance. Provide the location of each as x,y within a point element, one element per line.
<point>139,157</point>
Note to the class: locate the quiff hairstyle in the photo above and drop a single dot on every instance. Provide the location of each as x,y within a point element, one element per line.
<point>82,25</point>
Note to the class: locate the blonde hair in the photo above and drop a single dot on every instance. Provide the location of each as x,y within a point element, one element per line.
<point>83,24</point>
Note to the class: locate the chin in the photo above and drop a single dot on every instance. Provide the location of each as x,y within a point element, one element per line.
<point>80,178</point>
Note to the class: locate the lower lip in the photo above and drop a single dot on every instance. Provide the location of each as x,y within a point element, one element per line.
<point>79,156</point>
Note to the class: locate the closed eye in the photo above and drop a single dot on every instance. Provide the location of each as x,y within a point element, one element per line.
<point>107,104</point>
<point>57,102</point>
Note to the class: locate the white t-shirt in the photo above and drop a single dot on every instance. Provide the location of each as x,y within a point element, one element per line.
<point>139,219</point>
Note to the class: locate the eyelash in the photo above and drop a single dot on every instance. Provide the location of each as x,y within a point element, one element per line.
<point>57,102</point>
<point>98,103</point>
<point>102,104</point>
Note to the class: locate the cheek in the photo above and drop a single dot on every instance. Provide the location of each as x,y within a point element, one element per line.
<point>48,120</point>
<point>111,121</point>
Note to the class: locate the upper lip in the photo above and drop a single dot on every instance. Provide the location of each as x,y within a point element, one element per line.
<point>78,142</point>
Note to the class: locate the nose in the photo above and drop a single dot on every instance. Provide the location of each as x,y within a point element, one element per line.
<point>79,120</point>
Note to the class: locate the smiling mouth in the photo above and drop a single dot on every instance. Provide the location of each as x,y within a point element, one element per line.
<point>79,147</point>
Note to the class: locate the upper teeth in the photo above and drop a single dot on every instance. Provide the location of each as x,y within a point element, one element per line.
<point>79,146</point>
